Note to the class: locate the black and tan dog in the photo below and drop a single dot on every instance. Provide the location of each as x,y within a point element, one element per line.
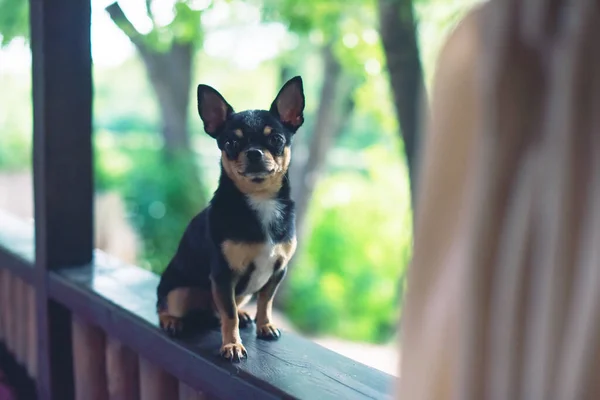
<point>241,243</point>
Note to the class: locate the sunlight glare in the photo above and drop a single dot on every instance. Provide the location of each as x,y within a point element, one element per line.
<point>163,12</point>
<point>370,36</point>
<point>16,57</point>
<point>372,66</point>
<point>247,46</point>
<point>199,4</point>
<point>350,40</point>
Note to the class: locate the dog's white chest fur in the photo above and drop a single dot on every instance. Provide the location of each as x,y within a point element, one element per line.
<point>269,211</point>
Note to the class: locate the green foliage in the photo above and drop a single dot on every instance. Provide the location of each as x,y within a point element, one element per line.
<point>305,17</point>
<point>163,202</point>
<point>15,121</point>
<point>184,28</point>
<point>112,163</point>
<point>351,28</point>
<point>159,196</point>
<point>14,20</point>
<point>15,151</point>
<point>125,86</point>
<point>346,281</point>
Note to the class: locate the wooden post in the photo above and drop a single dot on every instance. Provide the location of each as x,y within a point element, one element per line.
<point>62,166</point>
<point>187,393</point>
<point>156,384</point>
<point>9,313</point>
<point>20,320</point>
<point>4,307</point>
<point>89,361</point>
<point>32,353</point>
<point>2,300</point>
<point>122,371</point>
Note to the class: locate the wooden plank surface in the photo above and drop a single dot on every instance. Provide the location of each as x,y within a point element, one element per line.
<point>120,299</point>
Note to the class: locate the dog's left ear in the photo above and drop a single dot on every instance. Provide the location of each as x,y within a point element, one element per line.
<point>288,106</point>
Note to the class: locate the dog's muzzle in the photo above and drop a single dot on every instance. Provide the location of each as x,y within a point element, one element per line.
<point>256,166</point>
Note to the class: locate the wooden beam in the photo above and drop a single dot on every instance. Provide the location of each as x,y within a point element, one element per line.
<point>62,125</point>
<point>119,300</point>
<point>16,265</point>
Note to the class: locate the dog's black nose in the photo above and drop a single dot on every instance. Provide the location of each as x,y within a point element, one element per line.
<point>254,155</point>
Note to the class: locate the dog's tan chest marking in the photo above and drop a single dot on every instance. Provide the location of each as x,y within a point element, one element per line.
<point>264,256</point>
<point>271,255</point>
<point>239,255</point>
<point>263,270</point>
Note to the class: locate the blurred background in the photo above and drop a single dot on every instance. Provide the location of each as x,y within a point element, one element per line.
<point>363,63</point>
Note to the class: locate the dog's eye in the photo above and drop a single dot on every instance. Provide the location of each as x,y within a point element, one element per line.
<point>276,140</point>
<point>231,145</point>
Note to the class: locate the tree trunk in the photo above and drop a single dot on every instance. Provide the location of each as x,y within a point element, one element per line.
<point>334,110</point>
<point>397,28</point>
<point>170,74</point>
<point>286,72</point>
<point>335,105</point>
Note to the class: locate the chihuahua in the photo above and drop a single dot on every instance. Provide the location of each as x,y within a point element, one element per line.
<point>240,244</point>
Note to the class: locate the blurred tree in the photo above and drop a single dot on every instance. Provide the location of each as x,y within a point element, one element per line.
<point>335,102</point>
<point>399,37</point>
<point>167,52</point>
<point>174,186</point>
<point>346,285</point>
<point>335,105</point>
<point>398,31</point>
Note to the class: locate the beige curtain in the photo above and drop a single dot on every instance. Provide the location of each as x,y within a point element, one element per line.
<point>503,297</point>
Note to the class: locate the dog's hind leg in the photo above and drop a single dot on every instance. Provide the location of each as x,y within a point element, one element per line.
<point>179,304</point>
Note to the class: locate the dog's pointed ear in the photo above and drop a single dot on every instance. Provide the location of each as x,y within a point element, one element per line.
<point>213,109</point>
<point>288,106</point>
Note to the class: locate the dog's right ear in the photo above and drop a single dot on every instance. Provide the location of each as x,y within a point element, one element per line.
<point>213,109</point>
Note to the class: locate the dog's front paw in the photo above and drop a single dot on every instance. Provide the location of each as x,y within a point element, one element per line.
<point>268,331</point>
<point>234,351</point>
<point>173,326</point>
<point>245,319</point>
